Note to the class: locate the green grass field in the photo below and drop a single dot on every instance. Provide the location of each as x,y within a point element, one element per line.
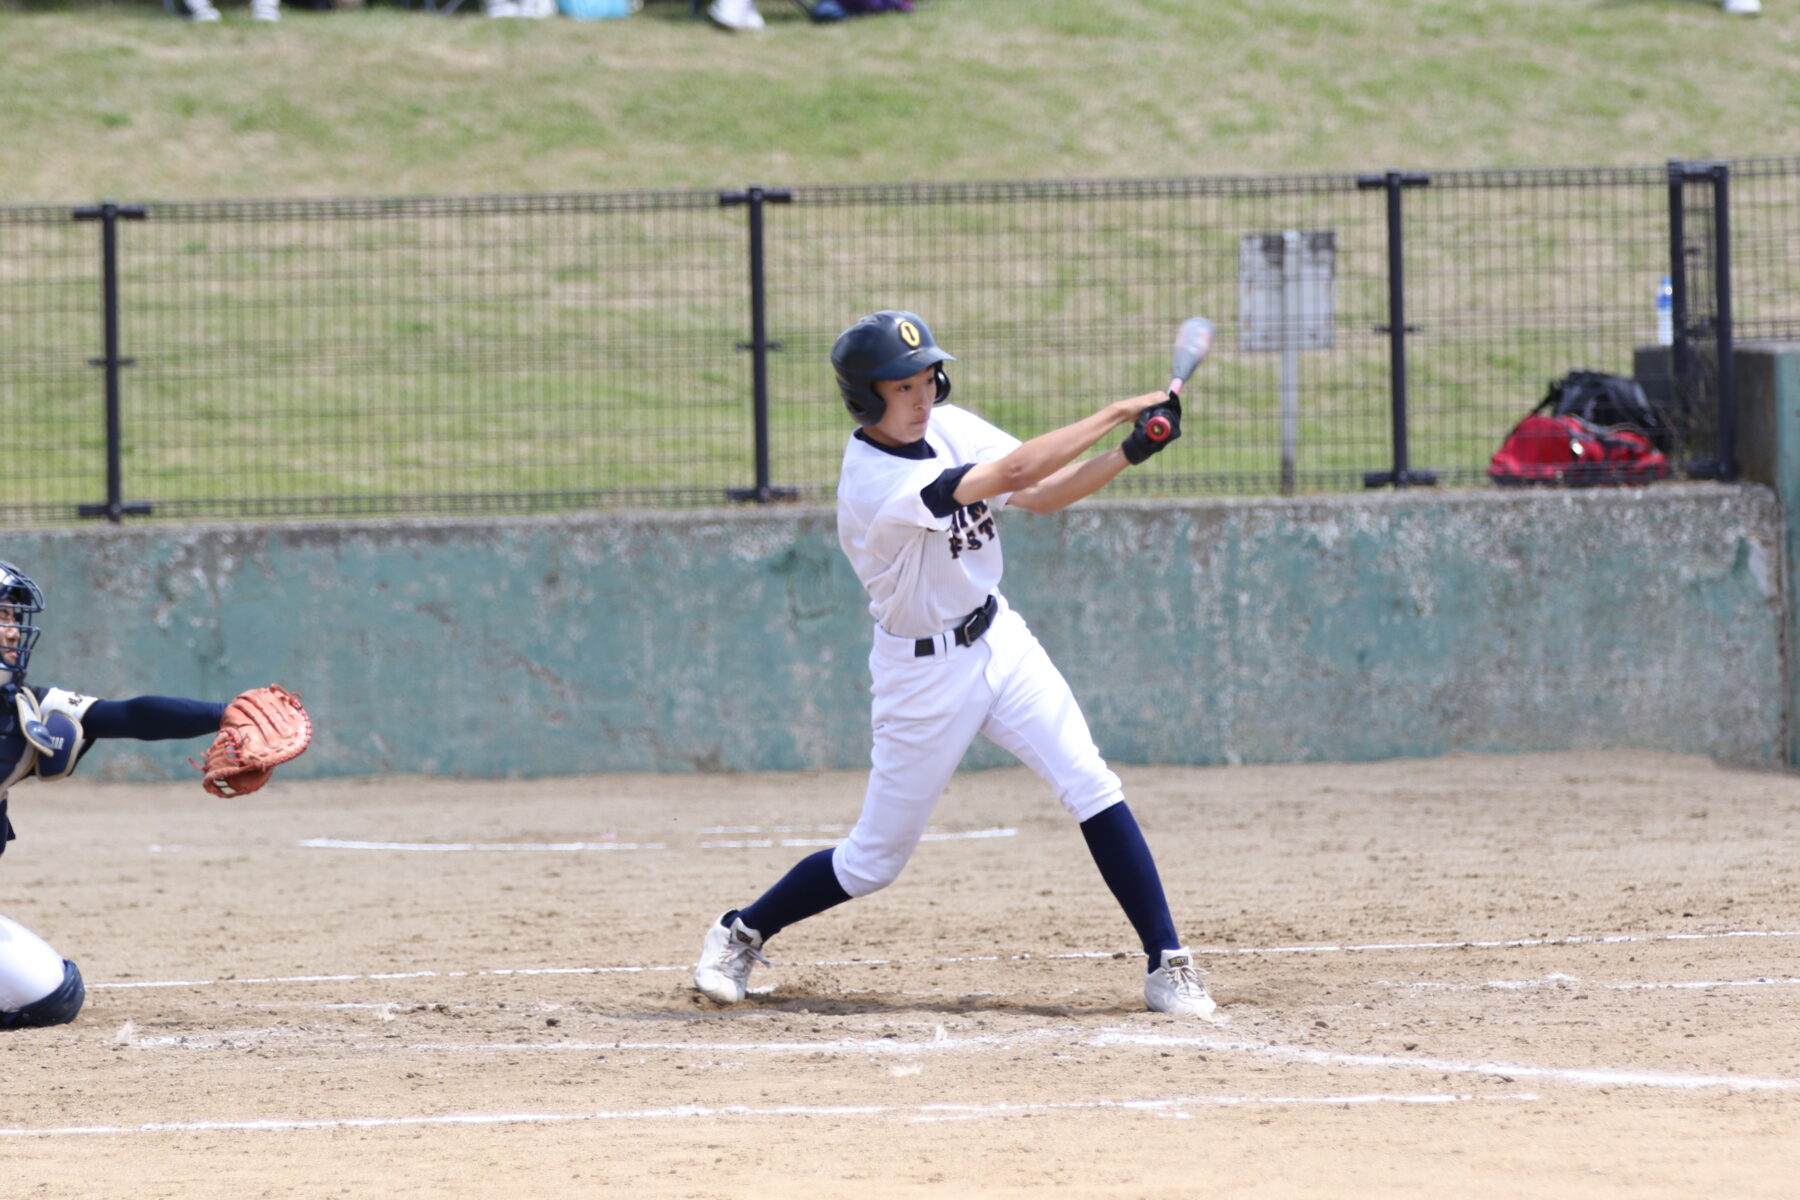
<point>307,375</point>
<point>122,100</point>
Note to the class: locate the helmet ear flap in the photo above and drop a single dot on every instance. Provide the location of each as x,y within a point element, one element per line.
<point>943,385</point>
<point>864,403</point>
<point>860,398</point>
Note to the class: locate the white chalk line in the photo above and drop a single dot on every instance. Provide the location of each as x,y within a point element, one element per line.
<point>1573,983</point>
<point>1062,1037</point>
<point>840,829</point>
<point>347,977</point>
<point>1604,1077</point>
<point>1572,940</point>
<point>759,843</point>
<point>1594,1076</point>
<point>322,843</point>
<point>455,847</point>
<point>918,1112</point>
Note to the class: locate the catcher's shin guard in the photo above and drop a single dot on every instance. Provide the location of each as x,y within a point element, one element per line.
<point>58,1008</point>
<point>37,985</point>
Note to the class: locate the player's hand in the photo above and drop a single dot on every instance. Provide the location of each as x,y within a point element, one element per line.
<point>1130,409</point>
<point>1156,426</point>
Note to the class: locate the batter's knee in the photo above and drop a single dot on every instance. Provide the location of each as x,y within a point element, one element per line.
<point>1093,795</point>
<point>861,873</point>
<point>58,1008</point>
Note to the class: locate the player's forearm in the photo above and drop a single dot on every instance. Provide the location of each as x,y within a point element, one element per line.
<point>1072,483</point>
<point>1047,453</point>
<point>152,718</point>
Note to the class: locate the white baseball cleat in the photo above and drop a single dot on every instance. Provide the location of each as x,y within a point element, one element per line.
<point>1743,7</point>
<point>1176,987</point>
<point>727,957</point>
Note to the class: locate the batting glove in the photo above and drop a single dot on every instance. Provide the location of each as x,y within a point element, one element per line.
<point>1139,444</point>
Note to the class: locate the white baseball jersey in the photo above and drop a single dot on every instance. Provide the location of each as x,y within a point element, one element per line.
<point>926,561</point>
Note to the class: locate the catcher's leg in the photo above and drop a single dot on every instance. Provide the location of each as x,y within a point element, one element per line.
<point>37,985</point>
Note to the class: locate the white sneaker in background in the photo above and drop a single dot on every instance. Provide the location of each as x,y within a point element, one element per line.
<point>201,10</point>
<point>1175,987</point>
<point>739,16</point>
<point>499,8</point>
<point>1746,8</point>
<point>265,10</point>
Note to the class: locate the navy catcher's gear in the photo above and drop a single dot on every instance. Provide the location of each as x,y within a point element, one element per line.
<point>20,599</point>
<point>58,1008</point>
<point>62,745</point>
<point>889,344</point>
<point>49,721</point>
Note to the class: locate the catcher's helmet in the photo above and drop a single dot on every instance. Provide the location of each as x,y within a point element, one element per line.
<point>886,345</point>
<point>19,600</point>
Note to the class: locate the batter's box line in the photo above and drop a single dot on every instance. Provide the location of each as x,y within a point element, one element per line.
<point>1588,1076</point>
<point>1111,1038</point>
<point>322,843</point>
<point>918,1112</point>
<point>350,977</point>
<point>1560,981</point>
<point>1065,1036</point>
<point>1103,1039</point>
<point>1513,943</point>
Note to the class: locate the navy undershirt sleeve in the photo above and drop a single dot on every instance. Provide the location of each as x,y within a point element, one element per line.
<point>940,494</point>
<point>152,718</point>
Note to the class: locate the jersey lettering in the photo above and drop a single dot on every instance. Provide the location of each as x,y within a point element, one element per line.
<point>971,528</point>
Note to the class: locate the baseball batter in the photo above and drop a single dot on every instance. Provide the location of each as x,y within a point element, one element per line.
<point>920,497</point>
<point>44,732</point>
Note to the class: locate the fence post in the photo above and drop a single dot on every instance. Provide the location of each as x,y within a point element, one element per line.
<point>1721,181</point>
<point>109,213</point>
<point>1394,182</point>
<point>759,346</point>
<point>1683,366</point>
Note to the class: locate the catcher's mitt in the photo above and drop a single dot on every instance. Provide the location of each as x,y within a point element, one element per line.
<point>261,729</point>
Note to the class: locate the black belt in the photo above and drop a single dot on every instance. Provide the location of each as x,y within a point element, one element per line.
<point>966,633</point>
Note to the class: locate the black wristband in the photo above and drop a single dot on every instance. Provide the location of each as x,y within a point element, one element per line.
<point>1138,447</point>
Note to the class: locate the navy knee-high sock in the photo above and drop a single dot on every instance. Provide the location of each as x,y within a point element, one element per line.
<point>807,890</point>
<point>1119,850</point>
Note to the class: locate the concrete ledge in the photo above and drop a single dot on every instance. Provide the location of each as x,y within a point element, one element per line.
<point>1344,628</point>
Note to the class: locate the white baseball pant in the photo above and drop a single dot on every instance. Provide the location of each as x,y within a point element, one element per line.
<point>926,713</point>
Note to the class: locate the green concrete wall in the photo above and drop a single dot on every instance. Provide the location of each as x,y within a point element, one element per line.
<point>1768,452</point>
<point>1346,628</point>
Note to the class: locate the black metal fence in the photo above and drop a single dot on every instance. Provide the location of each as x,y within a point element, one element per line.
<point>542,353</point>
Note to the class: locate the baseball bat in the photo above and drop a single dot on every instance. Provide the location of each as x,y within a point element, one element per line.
<point>1192,341</point>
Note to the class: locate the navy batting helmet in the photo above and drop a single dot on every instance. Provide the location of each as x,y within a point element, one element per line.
<point>20,599</point>
<point>886,345</point>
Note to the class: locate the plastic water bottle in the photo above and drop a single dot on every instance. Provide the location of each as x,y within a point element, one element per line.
<point>1665,313</point>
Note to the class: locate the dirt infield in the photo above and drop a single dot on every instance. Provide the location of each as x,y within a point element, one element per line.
<point>1556,975</point>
